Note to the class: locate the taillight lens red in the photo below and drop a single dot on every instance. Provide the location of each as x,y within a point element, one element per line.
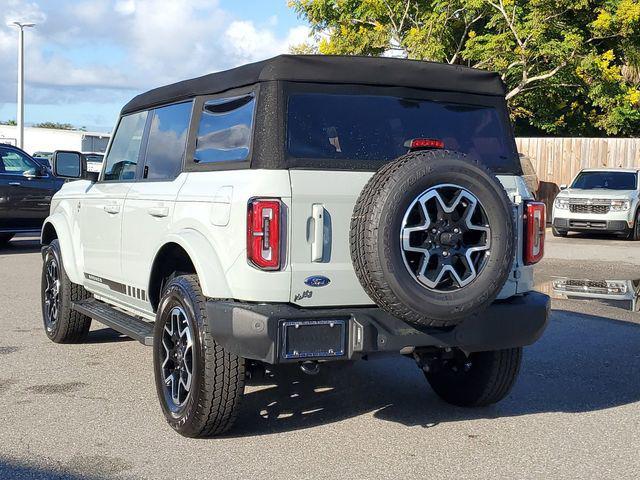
<point>263,233</point>
<point>420,143</point>
<point>534,231</point>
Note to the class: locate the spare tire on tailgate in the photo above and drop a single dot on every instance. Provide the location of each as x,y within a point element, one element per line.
<point>432,238</point>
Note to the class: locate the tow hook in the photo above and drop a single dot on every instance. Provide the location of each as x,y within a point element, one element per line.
<point>310,367</point>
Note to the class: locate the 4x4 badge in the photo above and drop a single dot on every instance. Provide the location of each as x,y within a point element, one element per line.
<point>317,281</point>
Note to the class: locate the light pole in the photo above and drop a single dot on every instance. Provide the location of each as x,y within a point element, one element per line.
<point>20,116</point>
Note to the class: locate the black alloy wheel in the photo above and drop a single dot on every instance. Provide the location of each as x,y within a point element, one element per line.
<point>177,358</point>
<point>51,294</point>
<point>62,323</point>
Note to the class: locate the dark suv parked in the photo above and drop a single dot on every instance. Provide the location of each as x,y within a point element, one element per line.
<point>26,188</point>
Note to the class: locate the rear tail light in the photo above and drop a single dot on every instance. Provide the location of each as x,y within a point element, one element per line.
<point>263,233</point>
<point>534,231</point>
<point>422,143</point>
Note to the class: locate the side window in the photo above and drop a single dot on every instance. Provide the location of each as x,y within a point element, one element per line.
<point>14,162</point>
<point>122,160</point>
<point>167,141</point>
<point>224,133</point>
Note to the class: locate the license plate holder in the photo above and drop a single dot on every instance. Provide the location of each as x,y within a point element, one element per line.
<point>313,338</point>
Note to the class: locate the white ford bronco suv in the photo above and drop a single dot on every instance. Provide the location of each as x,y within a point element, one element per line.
<point>303,209</point>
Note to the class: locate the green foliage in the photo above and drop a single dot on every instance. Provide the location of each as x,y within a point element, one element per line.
<point>12,123</point>
<point>572,67</point>
<point>55,125</point>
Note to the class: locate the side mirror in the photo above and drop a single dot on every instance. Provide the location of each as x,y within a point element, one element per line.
<point>563,186</point>
<point>70,164</point>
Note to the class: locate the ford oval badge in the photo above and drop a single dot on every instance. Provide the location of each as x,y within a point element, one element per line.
<point>317,281</point>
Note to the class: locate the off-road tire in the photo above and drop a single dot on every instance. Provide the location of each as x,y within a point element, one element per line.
<point>558,233</point>
<point>70,326</point>
<point>5,238</point>
<point>488,380</point>
<point>375,238</point>
<point>218,375</point>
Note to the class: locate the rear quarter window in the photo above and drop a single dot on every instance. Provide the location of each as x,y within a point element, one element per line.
<point>224,132</point>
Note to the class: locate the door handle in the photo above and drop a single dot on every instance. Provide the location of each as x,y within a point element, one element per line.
<point>158,212</point>
<point>317,245</point>
<point>112,209</point>
<point>15,184</point>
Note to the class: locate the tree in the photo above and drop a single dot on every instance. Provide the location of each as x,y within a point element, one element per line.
<point>55,125</point>
<point>571,66</point>
<point>12,123</point>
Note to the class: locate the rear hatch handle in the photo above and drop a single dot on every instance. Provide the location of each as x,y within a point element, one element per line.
<point>317,241</point>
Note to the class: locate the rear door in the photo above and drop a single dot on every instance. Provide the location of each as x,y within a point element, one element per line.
<point>150,202</point>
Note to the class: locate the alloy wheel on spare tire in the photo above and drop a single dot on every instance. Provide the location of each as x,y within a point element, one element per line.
<point>433,237</point>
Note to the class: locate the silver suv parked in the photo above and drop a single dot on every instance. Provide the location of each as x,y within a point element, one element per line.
<point>599,199</point>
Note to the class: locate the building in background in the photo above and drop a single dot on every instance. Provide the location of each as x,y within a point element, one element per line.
<point>50,139</point>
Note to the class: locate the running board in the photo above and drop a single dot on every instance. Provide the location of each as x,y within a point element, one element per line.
<point>121,322</point>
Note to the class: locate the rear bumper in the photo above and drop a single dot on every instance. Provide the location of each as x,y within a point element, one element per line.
<point>256,331</point>
<point>587,224</point>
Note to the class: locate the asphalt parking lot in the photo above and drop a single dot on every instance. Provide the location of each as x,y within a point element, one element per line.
<point>90,410</point>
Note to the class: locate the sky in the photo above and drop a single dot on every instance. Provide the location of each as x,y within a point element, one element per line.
<point>85,59</point>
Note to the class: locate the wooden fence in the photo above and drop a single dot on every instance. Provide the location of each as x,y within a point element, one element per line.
<point>558,160</point>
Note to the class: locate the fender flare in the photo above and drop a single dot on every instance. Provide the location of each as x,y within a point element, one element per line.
<point>205,259</point>
<point>72,266</point>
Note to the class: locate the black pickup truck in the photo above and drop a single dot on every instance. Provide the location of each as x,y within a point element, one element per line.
<point>26,188</point>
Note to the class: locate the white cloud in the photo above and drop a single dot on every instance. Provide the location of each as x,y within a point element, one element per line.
<point>21,11</point>
<point>299,35</point>
<point>246,43</point>
<point>139,44</point>
<point>125,7</point>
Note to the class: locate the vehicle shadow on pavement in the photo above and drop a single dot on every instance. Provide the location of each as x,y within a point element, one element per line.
<point>593,236</point>
<point>21,245</point>
<point>583,363</point>
<point>106,335</point>
<point>9,469</point>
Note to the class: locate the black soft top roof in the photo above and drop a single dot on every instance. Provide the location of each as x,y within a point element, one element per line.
<point>329,69</point>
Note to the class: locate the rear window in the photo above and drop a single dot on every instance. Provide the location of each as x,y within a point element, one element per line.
<point>375,128</point>
<point>606,180</point>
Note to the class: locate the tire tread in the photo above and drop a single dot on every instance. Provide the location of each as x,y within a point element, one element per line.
<point>223,378</point>
<point>71,326</point>
<point>500,370</point>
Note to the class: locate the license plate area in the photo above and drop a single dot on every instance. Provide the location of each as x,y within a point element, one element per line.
<point>313,338</point>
